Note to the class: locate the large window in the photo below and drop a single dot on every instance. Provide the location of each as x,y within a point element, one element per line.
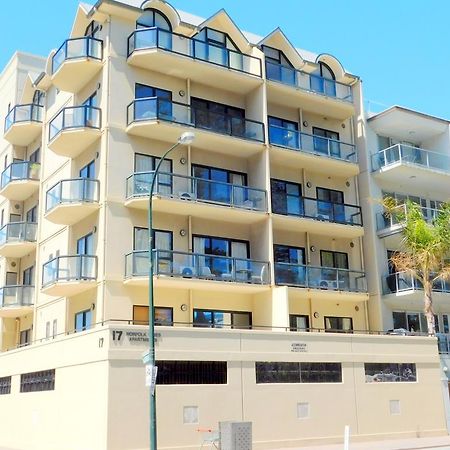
<point>5,385</point>
<point>192,372</point>
<point>150,109</point>
<point>278,67</point>
<point>25,337</point>
<point>390,372</point>
<point>294,372</point>
<point>28,276</point>
<point>83,320</point>
<point>222,319</point>
<point>218,191</point>
<point>283,132</point>
<point>324,80</point>
<point>298,322</point>
<point>38,381</point>
<point>327,142</point>
<point>288,265</point>
<point>153,18</point>
<point>338,324</point>
<point>163,315</point>
<point>416,322</point>
<point>88,171</point>
<point>286,198</point>
<point>333,277</point>
<point>331,204</point>
<point>147,163</point>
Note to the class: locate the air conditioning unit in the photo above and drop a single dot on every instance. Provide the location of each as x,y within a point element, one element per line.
<point>328,284</point>
<point>323,217</point>
<point>187,272</point>
<point>186,195</point>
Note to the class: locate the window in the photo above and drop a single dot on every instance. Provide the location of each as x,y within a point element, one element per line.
<point>278,67</point>
<point>162,239</point>
<point>163,315</point>
<point>192,372</point>
<point>145,91</point>
<point>91,101</point>
<point>283,132</point>
<point>35,157</point>
<point>47,330</point>
<point>55,328</point>
<point>338,260</point>
<point>85,245</point>
<point>222,319</point>
<point>298,322</point>
<point>92,29</point>
<point>339,324</point>
<point>286,198</point>
<point>294,372</point>
<point>5,385</point>
<point>28,276</point>
<point>218,117</point>
<point>38,381</point>
<point>15,218</point>
<point>415,322</point>
<point>323,80</point>
<point>143,164</point>
<point>218,188</point>
<point>88,171</point>
<point>330,205</point>
<point>11,279</point>
<point>31,215</point>
<point>160,105</point>
<point>390,372</point>
<point>153,18</point>
<point>38,97</point>
<point>2,217</point>
<point>83,320</point>
<point>326,142</point>
<point>25,337</point>
<point>289,265</point>
<point>222,267</point>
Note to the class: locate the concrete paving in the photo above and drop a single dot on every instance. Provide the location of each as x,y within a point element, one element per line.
<point>435,443</point>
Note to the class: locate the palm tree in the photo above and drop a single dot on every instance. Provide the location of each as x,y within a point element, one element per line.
<point>425,248</point>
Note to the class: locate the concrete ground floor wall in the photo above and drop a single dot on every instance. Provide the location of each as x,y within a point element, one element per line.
<point>100,400</point>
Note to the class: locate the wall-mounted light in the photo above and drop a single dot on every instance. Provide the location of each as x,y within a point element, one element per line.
<point>184,307</point>
<point>305,123</point>
<point>347,183</point>
<point>309,184</point>
<point>312,248</point>
<point>97,154</point>
<point>183,232</point>
<point>93,306</point>
<point>352,244</point>
<point>99,85</point>
<point>316,315</point>
<point>94,230</point>
<point>183,161</point>
<point>343,125</point>
<point>181,93</point>
<point>356,308</point>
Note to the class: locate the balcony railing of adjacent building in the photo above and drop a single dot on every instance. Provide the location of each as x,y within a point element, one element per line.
<point>20,171</point>
<point>398,282</point>
<point>69,269</point>
<point>386,221</point>
<point>326,278</point>
<point>309,143</point>
<point>151,38</point>
<point>76,190</point>
<point>197,189</point>
<point>406,154</point>
<point>198,266</point>
<point>74,117</point>
<point>23,113</point>
<point>312,208</point>
<point>308,82</point>
<point>18,232</point>
<point>84,47</point>
<point>16,296</point>
<point>154,108</point>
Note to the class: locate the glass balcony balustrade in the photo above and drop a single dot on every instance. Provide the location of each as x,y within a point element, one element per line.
<point>191,188</point>
<point>23,114</point>
<point>71,49</point>
<point>77,190</point>
<point>69,269</point>
<point>75,117</point>
<point>398,282</point>
<point>20,171</point>
<point>153,108</point>
<point>14,232</point>
<point>16,296</point>
<point>199,266</point>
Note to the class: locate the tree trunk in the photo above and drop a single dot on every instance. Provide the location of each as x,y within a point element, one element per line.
<point>428,308</point>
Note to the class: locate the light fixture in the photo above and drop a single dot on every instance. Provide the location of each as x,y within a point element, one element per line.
<point>305,123</point>
<point>93,306</point>
<point>347,183</point>
<point>309,184</point>
<point>183,232</point>
<point>186,138</point>
<point>352,244</point>
<point>181,93</point>
<point>356,308</point>
<point>343,125</point>
<point>183,160</point>
<point>184,307</point>
<point>316,315</point>
<point>312,248</point>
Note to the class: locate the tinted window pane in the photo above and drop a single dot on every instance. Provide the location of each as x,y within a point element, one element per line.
<point>191,372</point>
<point>321,372</point>
<point>389,372</point>
<point>277,372</point>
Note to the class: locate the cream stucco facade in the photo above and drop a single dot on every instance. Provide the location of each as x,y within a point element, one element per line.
<point>260,243</point>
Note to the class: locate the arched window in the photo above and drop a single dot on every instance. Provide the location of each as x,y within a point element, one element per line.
<point>326,72</point>
<point>153,18</point>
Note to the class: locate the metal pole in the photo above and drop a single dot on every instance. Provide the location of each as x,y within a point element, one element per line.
<point>151,318</point>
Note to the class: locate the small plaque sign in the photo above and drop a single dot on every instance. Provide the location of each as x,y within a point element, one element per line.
<point>299,347</point>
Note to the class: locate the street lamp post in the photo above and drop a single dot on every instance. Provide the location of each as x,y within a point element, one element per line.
<point>185,139</point>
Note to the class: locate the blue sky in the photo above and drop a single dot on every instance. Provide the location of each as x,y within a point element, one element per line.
<point>400,49</point>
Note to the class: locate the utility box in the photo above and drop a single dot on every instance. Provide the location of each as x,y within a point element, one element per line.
<point>235,435</point>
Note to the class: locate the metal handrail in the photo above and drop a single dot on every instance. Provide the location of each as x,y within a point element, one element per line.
<point>27,232</point>
<point>19,293</point>
<point>7,175</point>
<point>78,276</point>
<point>33,114</point>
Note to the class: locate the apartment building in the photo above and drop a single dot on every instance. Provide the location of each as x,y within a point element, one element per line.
<point>261,303</point>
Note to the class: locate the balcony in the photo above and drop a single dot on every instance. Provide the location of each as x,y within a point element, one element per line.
<point>422,169</point>
<point>17,239</point>
<point>312,152</point>
<point>390,224</point>
<point>23,124</point>
<point>69,275</point>
<point>70,201</point>
<point>197,271</point>
<point>402,290</point>
<point>322,281</point>
<point>322,217</point>
<point>198,197</point>
<point>176,55</point>
<point>287,86</point>
<point>20,180</point>
<point>74,129</point>
<point>160,119</point>
<point>16,301</point>
<point>76,62</point>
